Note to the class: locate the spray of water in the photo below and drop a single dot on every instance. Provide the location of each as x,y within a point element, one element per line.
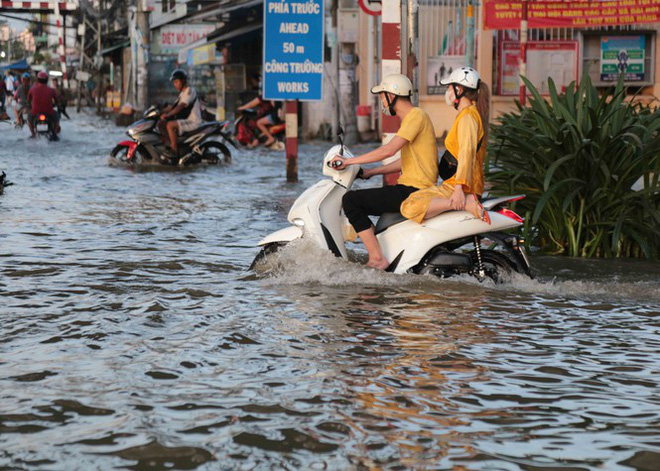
<point>303,263</point>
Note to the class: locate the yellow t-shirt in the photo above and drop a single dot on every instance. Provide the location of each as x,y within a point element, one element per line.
<point>462,142</point>
<point>419,157</point>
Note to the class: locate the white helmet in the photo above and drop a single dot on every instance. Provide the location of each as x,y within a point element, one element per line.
<point>465,76</point>
<point>396,84</point>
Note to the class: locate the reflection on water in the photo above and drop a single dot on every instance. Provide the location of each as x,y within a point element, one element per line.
<point>132,338</point>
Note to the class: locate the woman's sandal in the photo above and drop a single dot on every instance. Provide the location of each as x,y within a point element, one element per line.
<point>481,212</point>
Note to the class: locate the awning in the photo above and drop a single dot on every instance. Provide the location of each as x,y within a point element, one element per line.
<point>18,65</point>
<point>224,8</point>
<point>120,45</point>
<point>215,9</point>
<point>234,33</point>
<point>183,53</point>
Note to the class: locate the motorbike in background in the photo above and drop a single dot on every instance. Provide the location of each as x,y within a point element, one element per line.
<point>21,118</point>
<point>45,125</point>
<point>196,146</point>
<point>246,129</point>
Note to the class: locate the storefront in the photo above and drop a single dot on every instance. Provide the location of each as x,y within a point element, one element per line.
<point>222,65</point>
<point>565,41</point>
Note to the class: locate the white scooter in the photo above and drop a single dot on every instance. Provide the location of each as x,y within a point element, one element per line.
<point>428,248</point>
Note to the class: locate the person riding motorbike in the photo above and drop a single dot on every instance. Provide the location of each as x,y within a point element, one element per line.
<point>466,145</point>
<point>267,115</point>
<point>22,104</point>
<point>418,164</point>
<point>42,99</point>
<point>183,116</point>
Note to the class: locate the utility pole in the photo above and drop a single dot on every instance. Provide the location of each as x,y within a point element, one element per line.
<point>333,43</point>
<point>413,47</point>
<point>99,58</point>
<point>523,52</point>
<point>348,33</point>
<point>347,98</point>
<point>142,72</point>
<point>391,63</point>
<point>81,33</point>
<point>65,76</point>
<point>469,43</point>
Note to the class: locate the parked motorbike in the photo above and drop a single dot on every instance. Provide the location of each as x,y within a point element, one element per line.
<point>45,125</point>
<point>246,130</point>
<point>195,147</point>
<point>433,247</point>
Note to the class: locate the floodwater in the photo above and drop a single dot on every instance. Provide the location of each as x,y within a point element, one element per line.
<point>132,336</point>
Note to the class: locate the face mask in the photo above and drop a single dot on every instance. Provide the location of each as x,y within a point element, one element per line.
<point>450,96</point>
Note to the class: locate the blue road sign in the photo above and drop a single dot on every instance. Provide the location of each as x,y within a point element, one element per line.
<point>293,50</point>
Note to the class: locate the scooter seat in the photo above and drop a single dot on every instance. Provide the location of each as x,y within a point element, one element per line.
<point>388,220</point>
<point>187,134</point>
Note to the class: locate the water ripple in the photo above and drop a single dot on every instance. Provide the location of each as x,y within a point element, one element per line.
<point>132,336</point>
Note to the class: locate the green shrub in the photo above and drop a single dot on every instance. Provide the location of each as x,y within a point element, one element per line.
<point>576,157</point>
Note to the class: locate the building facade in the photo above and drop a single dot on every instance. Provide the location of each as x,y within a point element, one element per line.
<point>564,54</point>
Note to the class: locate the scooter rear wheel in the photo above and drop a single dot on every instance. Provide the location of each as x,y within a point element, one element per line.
<point>497,267</point>
<point>215,153</point>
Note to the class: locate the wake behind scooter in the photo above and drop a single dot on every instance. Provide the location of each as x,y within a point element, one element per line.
<point>446,245</point>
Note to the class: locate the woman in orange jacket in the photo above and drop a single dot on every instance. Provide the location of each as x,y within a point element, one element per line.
<point>462,164</point>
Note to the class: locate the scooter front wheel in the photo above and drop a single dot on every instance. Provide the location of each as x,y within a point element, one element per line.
<point>120,154</point>
<point>265,261</point>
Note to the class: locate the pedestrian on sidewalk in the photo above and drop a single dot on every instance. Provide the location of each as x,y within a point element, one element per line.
<point>62,99</point>
<point>10,87</point>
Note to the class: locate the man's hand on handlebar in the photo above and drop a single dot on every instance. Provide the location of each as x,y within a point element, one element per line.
<point>338,163</point>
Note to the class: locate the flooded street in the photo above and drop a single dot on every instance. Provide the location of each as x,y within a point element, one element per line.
<point>132,335</point>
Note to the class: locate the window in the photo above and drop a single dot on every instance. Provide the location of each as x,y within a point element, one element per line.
<point>442,41</point>
<point>551,53</point>
<point>168,6</point>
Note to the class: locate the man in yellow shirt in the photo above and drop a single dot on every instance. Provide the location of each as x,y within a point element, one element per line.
<point>418,164</point>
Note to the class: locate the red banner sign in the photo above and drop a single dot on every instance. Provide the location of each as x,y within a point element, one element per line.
<point>567,14</point>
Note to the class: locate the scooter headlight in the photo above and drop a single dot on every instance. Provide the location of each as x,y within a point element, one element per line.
<point>299,222</point>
